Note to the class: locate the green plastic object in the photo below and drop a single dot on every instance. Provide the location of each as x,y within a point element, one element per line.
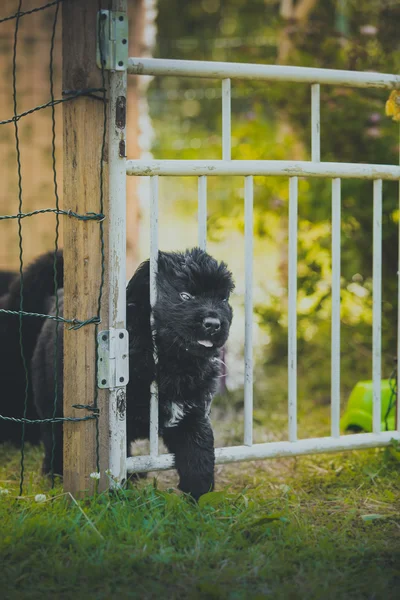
<point>358,414</point>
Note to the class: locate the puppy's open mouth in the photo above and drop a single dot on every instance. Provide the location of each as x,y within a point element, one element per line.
<point>205,343</point>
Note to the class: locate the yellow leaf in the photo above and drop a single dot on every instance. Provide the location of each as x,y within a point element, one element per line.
<point>392,107</point>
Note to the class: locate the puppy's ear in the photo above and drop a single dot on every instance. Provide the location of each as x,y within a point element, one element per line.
<point>167,261</point>
<point>138,287</point>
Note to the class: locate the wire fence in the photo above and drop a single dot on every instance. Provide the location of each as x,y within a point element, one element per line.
<point>7,314</point>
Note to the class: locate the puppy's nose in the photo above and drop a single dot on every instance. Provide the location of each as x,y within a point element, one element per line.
<point>211,325</point>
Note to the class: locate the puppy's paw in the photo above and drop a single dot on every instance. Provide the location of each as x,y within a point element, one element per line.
<point>195,485</point>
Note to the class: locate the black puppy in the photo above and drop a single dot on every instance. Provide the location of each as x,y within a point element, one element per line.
<point>6,278</point>
<point>192,317</point>
<point>38,286</point>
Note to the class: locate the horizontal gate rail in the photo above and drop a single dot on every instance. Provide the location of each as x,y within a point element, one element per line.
<point>285,168</point>
<point>224,70</point>
<point>356,441</point>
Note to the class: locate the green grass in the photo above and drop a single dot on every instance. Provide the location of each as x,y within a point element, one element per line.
<point>312,527</point>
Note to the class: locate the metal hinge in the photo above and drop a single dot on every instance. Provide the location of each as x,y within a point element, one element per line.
<point>113,358</point>
<point>112,40</point>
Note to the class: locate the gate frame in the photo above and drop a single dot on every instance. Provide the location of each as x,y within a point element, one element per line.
<point>117,167</point>
<point>291,169</point>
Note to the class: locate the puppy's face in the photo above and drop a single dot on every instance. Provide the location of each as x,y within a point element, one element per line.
<point>192,309</point>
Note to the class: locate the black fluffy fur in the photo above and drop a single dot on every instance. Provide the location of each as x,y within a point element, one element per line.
<point>187,371</point>
<point>6,278</point>
<point>38,286</point>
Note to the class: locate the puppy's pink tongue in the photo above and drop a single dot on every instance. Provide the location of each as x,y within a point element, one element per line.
<point>205,343</point>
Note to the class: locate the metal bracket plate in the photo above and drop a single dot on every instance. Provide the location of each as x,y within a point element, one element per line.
<point>113,358</point>
<point>112,40</point>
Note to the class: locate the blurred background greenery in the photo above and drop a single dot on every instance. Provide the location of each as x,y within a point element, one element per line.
<point>182,120</point>
<point>272,121</point>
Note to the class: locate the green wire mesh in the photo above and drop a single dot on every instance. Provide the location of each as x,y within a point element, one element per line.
<point>68,96</point>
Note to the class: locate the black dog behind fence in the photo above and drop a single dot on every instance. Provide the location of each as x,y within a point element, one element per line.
<point>191,322</point>
<point>15,374</point>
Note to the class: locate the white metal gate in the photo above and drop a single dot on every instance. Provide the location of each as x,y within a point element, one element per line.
<point>248,169</point>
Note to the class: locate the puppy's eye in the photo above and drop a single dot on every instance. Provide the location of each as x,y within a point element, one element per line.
<point>186,296</point>
<point>225,299</point>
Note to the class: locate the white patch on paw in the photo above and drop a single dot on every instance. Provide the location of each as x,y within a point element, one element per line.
<point>177,414</point>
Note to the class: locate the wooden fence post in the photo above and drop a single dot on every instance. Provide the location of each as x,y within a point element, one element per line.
<point>83,143</point>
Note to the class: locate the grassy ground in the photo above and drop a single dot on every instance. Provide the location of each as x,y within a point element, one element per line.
<point>321,527</point>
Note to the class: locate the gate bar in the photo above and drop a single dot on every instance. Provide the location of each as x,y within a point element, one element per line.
<point>335,324</point>
<point>117,259</point>
<point>226,119</point>
<point>398,314</point>
<point>315,123</point>
<point>286,168</point>
<point>292,310</point>
<point>202,212</point>
<point>153,299</point>
<point>377,305</point>
<point>323,445</point>
<point>248,315</point>
<point>224,70</point>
